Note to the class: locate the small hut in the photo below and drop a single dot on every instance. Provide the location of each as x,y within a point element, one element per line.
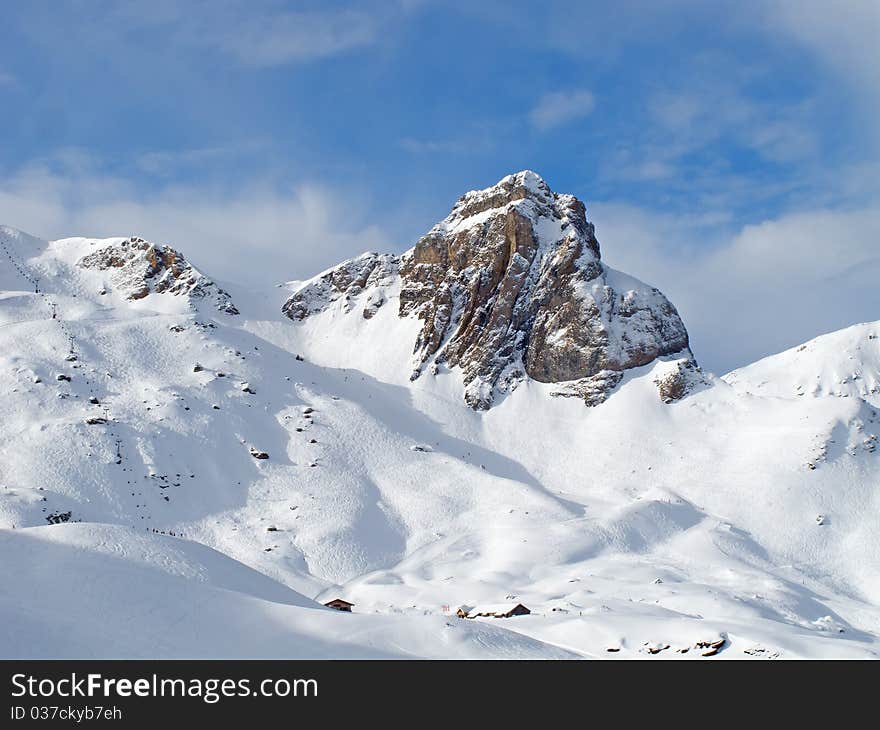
<point>339,605</point>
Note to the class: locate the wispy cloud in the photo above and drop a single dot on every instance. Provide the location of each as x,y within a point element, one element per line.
<point>843,34</point>
<point>480,138</point>
<point>268,39</point>
<point>6,78</point>
<point>758,288</point>
<point>259,33</point>
<point>711,110</point>
<point>165,163</point>
<point>711,143</point>
<point>561,107</point>
<point>431,146</point>
<point>259,234</point>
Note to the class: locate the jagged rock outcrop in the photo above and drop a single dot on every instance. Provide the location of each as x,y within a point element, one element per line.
<point>511,285</point>
<point>140,268</point>
<point>369,272</point>
<point>682,379</point>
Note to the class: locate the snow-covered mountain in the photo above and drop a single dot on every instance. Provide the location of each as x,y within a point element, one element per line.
<point>220,459</point>
<point>509,285</point>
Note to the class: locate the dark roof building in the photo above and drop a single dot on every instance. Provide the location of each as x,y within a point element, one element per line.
<point>339,604</point>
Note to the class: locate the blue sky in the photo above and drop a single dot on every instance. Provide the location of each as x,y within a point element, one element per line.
<point>728,152</point>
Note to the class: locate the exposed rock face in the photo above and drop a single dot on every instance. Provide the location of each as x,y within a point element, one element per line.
<point>142,268</point>
<point>370,273</point>
<point>683,378</point>
<point>511,284</point>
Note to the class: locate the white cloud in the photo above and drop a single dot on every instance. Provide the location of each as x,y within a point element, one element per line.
<point>257,33</point>
<point>6,78</point>
<point>760,289</point>
<point>259,235</point>
<point>712,110</point>
<point>163,163</point>
<point>561,107</point>
<point>275,38</point>
<point>843,33</point>
<point>431,146</point>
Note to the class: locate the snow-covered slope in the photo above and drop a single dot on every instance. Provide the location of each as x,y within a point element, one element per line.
<point>735,512</point>
<point>84,591</point>
<point>844,363</point>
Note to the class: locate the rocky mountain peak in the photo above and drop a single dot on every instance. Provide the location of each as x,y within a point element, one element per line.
<point>524,185</point>
<point>140,268</point>
<point>511,285</point>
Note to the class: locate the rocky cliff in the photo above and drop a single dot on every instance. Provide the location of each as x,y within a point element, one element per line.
<point>511,285</point>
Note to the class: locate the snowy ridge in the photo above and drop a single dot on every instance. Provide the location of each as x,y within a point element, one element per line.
<point>844,363</point>
<point>128,268</point>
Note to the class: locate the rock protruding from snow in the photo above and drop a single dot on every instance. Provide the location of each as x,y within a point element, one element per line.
<point>141,268</point>
<point>511,285</point>
<point>681,378</point>
<point>370,272</point>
